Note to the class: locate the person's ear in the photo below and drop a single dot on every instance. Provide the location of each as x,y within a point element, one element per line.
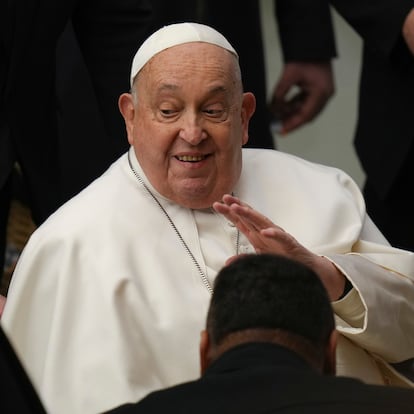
<point>204,351</point>
<point>127,109</point>
<point>329,366</point>
<point>248,108</point>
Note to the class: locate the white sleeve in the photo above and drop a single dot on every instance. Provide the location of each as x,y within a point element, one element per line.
<point>378,313</point>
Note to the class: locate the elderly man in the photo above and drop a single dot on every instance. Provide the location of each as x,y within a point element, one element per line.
<point>110,293</point>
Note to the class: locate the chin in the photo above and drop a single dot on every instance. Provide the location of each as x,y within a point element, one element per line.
<point>197,198</point>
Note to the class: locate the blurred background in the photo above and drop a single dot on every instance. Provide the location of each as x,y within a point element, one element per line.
<point>328,139</point>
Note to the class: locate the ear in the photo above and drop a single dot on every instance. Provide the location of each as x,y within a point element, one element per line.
<point>248,108</point>
<point>127,109</point>
<point>204,351</point>
<point>329,366</point>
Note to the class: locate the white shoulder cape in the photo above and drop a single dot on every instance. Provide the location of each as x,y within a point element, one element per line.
<point>105,305</point>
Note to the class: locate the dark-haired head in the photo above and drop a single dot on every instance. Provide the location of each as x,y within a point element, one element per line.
<point>269,298</point>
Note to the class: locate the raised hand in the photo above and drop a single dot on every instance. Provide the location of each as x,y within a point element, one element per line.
<point>267,237</point>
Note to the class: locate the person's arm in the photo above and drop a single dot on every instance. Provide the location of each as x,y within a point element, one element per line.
<point>378,313</point>
<point>267,237</point>
<point>383,278</point>
<point>308,46</point>
<point>306,30</point>
<point>382,300</point>
<point>378,22</point>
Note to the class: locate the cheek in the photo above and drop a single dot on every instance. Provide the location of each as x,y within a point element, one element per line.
<point>143,128</point>
<point>229,138</point>
<point>154,141</point>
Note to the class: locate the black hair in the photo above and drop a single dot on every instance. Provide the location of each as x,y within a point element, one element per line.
<point>267,291</point>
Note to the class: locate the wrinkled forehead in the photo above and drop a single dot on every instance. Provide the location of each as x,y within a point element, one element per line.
<point>195,66</point>
<point>173,35</point>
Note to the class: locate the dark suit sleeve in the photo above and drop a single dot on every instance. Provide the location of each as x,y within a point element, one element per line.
<point>305,30</point>
<point>17,392</point>
<point>378,22</point>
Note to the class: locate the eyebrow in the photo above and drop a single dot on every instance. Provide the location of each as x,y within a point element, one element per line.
<point>173,87</point>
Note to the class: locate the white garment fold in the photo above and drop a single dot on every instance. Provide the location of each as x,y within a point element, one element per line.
<point>106,305</point>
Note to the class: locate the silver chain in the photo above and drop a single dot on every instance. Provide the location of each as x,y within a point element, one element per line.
<point>204,278</point>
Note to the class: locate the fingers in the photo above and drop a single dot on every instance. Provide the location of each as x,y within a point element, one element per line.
<point>267,237</point>
<point>241,213</point>
<point>227,209</point>
<point>302,109</point>
<point>233,258</point>
<point>312,85</point>
<point>250,222</point>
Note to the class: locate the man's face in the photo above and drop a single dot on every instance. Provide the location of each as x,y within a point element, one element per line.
<point>188,122</point>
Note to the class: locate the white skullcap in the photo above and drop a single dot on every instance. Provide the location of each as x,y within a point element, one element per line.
<point>173,35</point>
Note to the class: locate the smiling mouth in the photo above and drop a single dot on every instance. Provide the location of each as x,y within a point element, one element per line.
<point>191,158</point>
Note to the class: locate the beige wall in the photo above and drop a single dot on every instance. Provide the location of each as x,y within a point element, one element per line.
<point>328,139</point>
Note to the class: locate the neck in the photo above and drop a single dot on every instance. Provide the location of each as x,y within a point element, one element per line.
<point>312,354</point>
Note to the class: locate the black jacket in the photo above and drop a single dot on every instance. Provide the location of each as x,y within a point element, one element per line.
<point>266,378</point>
<point>385,132</point>
<point>108,33</point>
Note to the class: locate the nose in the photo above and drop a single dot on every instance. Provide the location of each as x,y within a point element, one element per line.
<point>192,130</point>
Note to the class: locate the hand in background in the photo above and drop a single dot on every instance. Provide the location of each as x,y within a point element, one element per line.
<point>2,304</point>
<point>408,31</point>
<point>314,84</point>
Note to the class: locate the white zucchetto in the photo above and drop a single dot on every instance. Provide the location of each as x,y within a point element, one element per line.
<point>173,35</point>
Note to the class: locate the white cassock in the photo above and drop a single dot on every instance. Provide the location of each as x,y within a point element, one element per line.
<point>106,304</point>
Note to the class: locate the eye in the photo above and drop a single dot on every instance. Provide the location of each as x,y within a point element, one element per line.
<point>167,112</point>
<point>213,112</point>
<point>216,112</point>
